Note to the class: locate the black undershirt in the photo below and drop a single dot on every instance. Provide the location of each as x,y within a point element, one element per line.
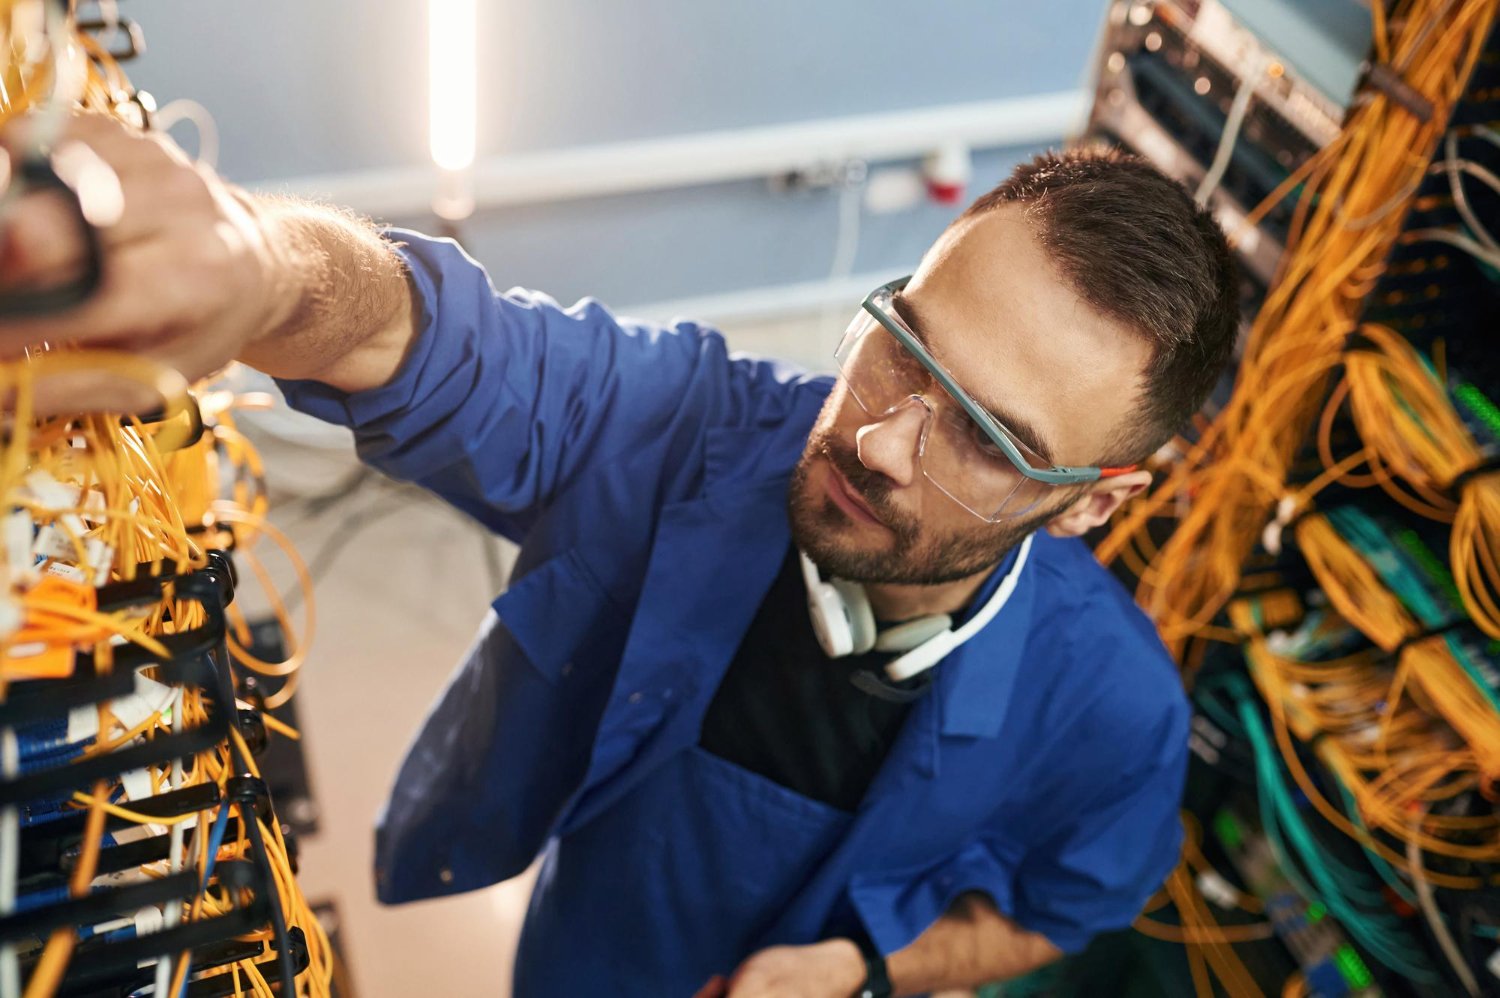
<point>789,712</point>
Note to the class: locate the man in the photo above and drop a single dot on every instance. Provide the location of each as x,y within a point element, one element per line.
<point>722,806</point>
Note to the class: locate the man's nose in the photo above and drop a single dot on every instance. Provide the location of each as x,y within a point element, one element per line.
<point>890,444</point>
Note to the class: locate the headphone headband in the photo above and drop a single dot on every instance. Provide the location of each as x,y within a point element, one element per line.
<point>844,623</point>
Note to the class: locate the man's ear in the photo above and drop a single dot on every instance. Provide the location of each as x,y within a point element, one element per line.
<point>1098,505</point>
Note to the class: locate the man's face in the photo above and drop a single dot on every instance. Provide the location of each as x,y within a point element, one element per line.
<point>999,316</point>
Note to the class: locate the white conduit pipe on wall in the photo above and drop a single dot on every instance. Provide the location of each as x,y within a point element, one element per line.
<point>705,157</point>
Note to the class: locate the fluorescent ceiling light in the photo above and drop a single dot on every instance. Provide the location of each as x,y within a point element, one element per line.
<point>451,82</point>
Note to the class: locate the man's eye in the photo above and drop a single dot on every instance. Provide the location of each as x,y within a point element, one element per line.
<point>913,369</point>
<point>984,443</point>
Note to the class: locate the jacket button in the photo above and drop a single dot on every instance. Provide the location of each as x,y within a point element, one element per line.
<point>635,697</point>
<point>445,875</point>
<point>567,668</point>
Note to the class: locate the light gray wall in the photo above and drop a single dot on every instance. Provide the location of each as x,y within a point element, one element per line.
<point>312,86</point>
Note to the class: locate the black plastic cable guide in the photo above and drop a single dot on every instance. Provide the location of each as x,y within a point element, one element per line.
<point>79,774</point>
<point>210,586</point>
<point>49,850</point>
<point>206,957</point>
<point>129,39</point>
<point>117,963</point>
<point>222,986</point>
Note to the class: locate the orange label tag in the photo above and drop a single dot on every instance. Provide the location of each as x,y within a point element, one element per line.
<point>61,592</point>
<point>37,661</point>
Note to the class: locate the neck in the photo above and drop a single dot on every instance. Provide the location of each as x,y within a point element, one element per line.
<point>894,601</point>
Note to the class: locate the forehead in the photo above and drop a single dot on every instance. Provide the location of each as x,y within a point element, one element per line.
<point>1000,315</point>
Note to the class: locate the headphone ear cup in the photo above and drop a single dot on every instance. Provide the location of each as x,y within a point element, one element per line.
<point>905,636</point>
<point>858,612</point>
<point>830,620</point>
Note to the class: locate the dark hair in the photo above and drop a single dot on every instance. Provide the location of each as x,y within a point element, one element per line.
<point>1138,249</point>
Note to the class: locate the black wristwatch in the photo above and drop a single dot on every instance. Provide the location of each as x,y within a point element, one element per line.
<point>877,978</point>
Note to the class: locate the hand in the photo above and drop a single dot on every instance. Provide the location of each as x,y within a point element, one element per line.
<point>830,969</point>
<point>191,272</point>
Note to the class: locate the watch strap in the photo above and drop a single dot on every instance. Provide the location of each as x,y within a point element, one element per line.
<point>877,976</point>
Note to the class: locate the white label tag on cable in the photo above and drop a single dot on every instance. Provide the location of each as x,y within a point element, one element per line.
<point>19,532</point>
<point>137,784</point>
<point>65,571</point>
<point>147,921</point>
<point>50,492</point>
<point>53,543</point>
<point>1215,888</point>
<point>83,723</point>
<point>149,699</point>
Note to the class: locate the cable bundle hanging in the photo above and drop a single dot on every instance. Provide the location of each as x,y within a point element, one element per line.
<point>138,845</point>
<point>1423,455</point>
<point>1361,751</point>
<point>1355,193</point>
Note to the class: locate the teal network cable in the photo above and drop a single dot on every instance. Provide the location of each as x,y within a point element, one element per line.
<point>1334,885</point>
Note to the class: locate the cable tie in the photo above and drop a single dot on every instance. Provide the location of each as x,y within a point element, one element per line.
<point>249,791</point>
<point>1463,478</point>
<point>1357,340</point>
<point>1387,79</point>
<point>1394,655</point>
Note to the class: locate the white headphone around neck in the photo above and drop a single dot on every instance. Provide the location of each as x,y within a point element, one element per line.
<point>845,623</point>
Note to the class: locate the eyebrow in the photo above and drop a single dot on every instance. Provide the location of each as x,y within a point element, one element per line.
<point>1020,428</point>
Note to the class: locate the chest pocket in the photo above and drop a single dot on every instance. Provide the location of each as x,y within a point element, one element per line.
<point>564,623</point>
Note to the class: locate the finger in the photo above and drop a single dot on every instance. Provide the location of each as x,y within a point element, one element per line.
<point>149,169</point>
<point>147,291</point>
<point>715,988</point>
<point>119,141</point>
<point>92,391</point>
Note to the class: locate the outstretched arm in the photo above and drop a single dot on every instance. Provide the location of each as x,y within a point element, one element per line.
<point>197,272</point>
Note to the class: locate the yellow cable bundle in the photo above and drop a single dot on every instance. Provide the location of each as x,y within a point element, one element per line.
<point>1352,585</point>
<point>1356,193</point>
<point>94,498</point>
<point>1356,591</point>
<point>1475,551</point>
<point>1453,694</point>
<point>1404,414</point>
<point>1390,751</point>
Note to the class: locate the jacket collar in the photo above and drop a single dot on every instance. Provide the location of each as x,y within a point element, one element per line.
<point>975,683</point>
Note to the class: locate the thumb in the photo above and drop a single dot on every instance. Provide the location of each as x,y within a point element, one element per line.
<point>717,987</point>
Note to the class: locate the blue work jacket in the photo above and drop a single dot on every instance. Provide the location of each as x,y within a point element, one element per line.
<point>644,470</point>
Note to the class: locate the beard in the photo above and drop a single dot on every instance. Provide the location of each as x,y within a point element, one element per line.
<point>915,557</point>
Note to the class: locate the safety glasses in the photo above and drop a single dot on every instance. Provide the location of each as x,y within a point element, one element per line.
<point>963,449</point>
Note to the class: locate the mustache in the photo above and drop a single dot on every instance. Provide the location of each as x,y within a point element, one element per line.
<point>871,486</point>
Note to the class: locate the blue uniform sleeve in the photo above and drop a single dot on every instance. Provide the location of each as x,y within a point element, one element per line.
<point>504,399</point>
<point>1098,872</point>
<point>1081,875</point>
